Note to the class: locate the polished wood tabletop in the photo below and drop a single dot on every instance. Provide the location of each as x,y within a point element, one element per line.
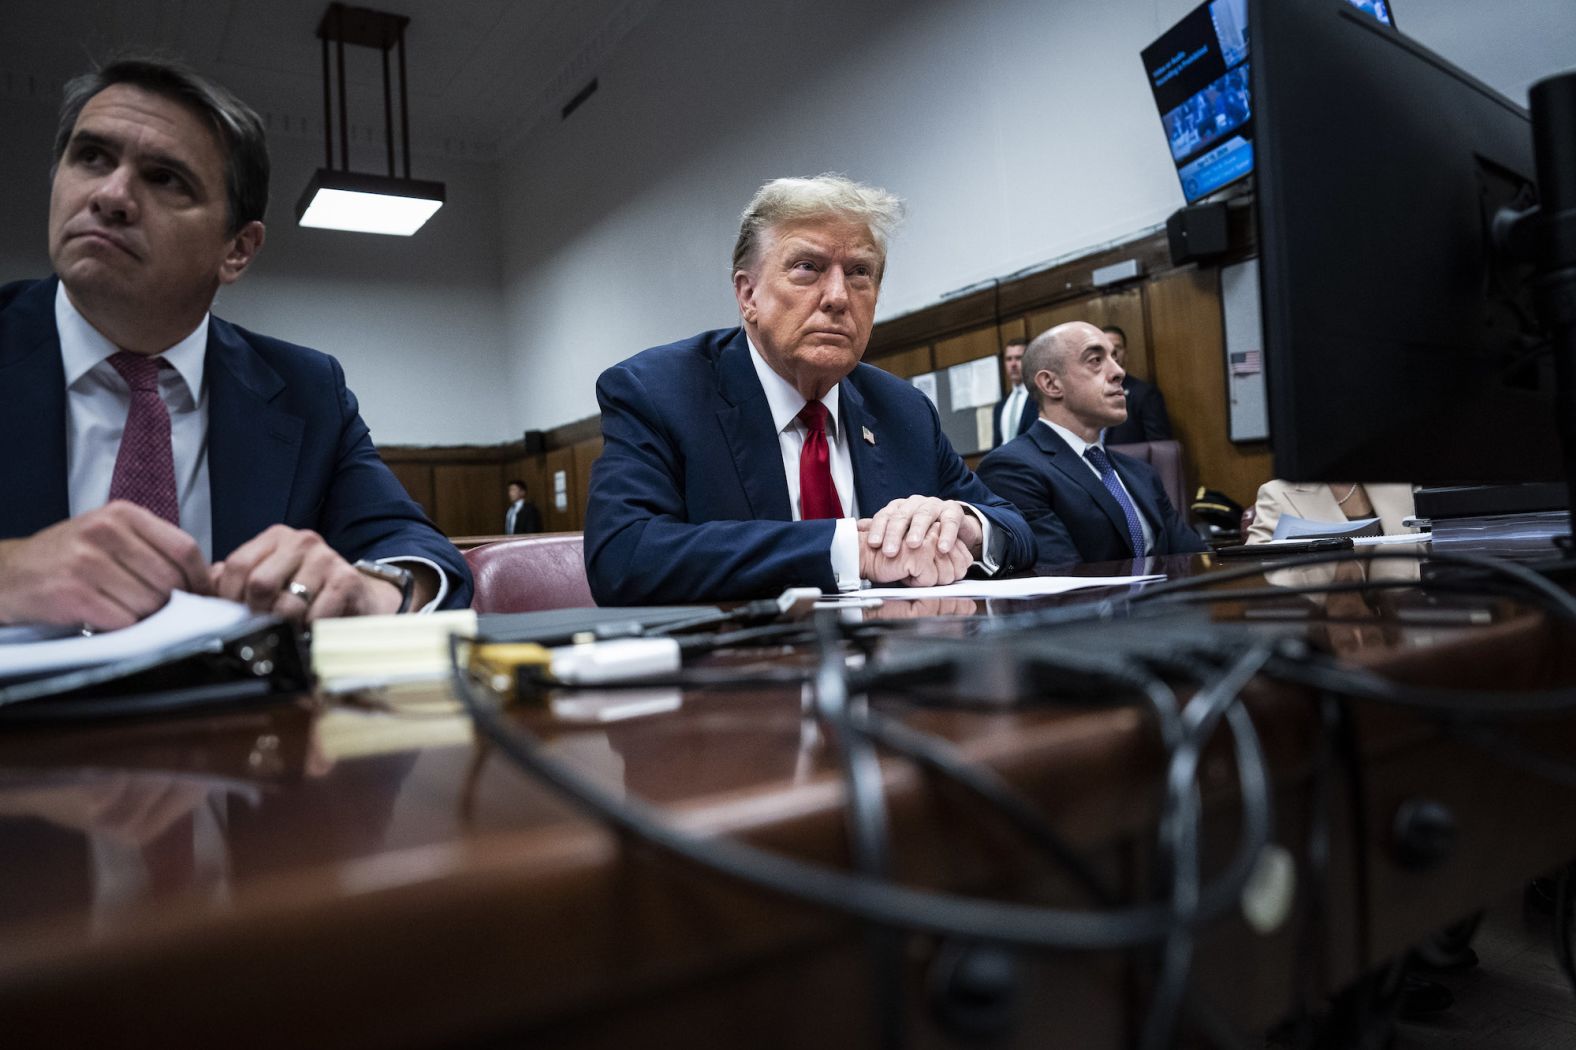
<point>366,873</point>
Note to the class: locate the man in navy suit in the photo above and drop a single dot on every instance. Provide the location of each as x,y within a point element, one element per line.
<point>1147,419</point>
<point>1014,413</point>
<point>1084,503</point>
<point>152,447</point>
<point>742,461</point>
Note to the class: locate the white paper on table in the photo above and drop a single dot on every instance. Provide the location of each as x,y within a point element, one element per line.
<point>1027,587</point>
<point>184,618</point>
<point>1291,527</point>
<point>1385,541</point>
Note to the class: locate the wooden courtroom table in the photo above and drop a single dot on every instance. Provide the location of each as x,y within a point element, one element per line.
<point>291,876</point>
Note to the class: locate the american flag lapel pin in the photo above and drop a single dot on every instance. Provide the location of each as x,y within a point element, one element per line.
<point>870,439</point>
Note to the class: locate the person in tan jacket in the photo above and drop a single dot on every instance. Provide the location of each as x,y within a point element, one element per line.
<point>1342,501</point>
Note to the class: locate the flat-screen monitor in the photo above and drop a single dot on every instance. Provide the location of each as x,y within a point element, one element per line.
<point>1398,344</point>
<point>1199,73</point>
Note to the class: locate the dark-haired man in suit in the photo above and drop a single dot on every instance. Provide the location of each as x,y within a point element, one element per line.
<point>742,461</point>
<point>1083,503</point>
<point>1147,419</point>
<point>151,447</point>
<point>1015,412</point>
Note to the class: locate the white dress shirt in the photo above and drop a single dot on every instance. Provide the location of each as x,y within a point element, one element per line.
<point>1078,445</point>
<point>1011,411</point>
<point>786,402</point>
<point>98,401</point>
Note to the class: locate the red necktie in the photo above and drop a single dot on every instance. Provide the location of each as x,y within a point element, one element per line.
<point>145,466</point>
<point>817,495</point>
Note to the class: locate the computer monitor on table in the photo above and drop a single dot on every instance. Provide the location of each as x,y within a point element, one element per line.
<point>1399,344</point>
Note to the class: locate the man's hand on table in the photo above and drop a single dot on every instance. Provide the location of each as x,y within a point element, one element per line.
<point>920,541</point>
<point>107,568</point>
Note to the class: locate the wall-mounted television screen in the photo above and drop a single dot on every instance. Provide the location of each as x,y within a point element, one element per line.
<point>1199,73</point>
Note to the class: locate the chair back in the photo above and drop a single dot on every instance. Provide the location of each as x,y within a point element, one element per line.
<point>531,573</point>
<point>1167,459</point>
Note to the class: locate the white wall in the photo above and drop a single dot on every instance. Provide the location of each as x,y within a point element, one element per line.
<point>1018,131</point>
<point>417,322</point>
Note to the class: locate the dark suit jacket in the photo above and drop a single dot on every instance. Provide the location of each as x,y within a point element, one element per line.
<point>689,501</point>
<point>527,521</point>
<point>1026,419</point>
<point>1073,516</point>
<point>1146,415</point>
<point>286,444</point>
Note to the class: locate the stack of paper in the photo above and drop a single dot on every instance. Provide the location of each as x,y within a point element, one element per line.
<point>1291,527</point>
<point>363,652</point>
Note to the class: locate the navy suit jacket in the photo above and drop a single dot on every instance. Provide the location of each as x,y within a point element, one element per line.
<point>1073,516</point>
<point>1026,418</point>
<point>689,501</point>
<point>286,444</point>
<point>1146,415</point>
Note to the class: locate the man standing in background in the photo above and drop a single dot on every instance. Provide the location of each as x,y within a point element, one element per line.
<point>1014,413</point>
<point>522,517</point>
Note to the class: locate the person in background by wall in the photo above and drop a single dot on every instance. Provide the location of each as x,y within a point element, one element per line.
<point>1014,413</point>
<point>1146,408</point>
<point>522,517</point>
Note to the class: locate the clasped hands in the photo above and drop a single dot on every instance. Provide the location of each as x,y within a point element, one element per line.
<point>920,541</point>
<point>111,567</point>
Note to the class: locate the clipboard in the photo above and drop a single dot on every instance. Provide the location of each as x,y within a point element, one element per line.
<point>254,660</point>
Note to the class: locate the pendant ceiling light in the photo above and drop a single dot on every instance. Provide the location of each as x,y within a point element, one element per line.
<point>338,198</point>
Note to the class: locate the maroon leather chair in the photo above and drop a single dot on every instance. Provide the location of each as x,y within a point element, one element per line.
<point>1167,459</point>
<point>531,573</point>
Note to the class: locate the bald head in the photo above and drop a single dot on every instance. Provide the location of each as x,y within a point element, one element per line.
<point>1075,378</point>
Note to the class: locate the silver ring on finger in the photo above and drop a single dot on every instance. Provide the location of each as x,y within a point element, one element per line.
<point>300,590</point>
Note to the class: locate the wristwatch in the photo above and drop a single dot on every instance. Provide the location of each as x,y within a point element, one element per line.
<point>400,577</point>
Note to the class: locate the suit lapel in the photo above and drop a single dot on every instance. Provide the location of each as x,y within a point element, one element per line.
<point>253,445</point>
<point>746,422</point>
<point>1078,471</point>
<point>872,467</point>
<point>32,415</point>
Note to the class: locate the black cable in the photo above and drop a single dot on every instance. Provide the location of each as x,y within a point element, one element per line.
<point>939,757</point>
<point>863,898</point>
<point>1320,674</point>
<point>1216,701</point>
<point>1555,599</point>
<point>868,826</point>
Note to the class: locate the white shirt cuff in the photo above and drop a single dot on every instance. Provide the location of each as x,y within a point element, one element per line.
<point>990,542</point>
<point>443,578</point>
<point>845,554</point>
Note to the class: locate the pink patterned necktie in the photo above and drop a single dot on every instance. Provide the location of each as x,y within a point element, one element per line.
<point>145,467</point>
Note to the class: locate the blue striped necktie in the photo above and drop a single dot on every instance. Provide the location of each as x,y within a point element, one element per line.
<point>1135,531</point>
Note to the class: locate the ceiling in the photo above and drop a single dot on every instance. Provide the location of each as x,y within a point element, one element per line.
<point>481,73</point>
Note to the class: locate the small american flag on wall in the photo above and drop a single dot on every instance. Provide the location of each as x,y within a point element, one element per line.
<point>1247,363</point>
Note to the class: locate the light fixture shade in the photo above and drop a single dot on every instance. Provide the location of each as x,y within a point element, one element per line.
<point>345,200</point>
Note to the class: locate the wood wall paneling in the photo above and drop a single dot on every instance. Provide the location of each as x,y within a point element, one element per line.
<point>585,453</point>
<point>417,479</point>
<point>1189,332</point>
<point>469,497</point>
<point>969,346</point>
<point>908,363</point>
<point>569,518</point>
